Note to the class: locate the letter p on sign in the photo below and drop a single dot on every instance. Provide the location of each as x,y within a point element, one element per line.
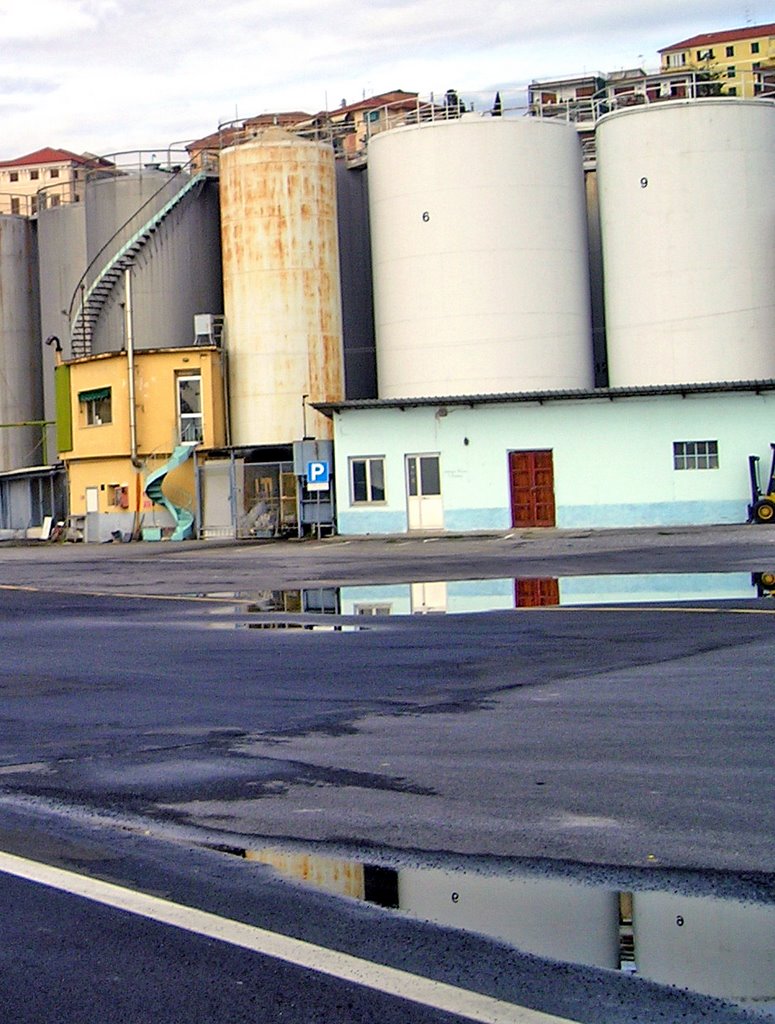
<point>318,476</point>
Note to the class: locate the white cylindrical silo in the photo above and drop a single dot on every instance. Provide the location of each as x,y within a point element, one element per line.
<point>549,917</point>
<point>21,393</point>
<point>723,948</point>
<point>479,248</point>
<point>281,286</point>
<point>687,207</point>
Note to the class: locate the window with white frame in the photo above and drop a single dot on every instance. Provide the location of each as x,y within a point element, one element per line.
<point>190,407</point>
<point>97,406</point>
<point>695,454</point>
<point>367,479</point>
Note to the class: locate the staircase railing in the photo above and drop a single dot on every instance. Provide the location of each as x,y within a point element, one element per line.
<point>182,517</point>
<point>88,299</point>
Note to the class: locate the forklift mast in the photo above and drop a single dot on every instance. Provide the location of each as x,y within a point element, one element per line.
<point>770,489</point>
<point>762,507</point>
<point>753,473</point>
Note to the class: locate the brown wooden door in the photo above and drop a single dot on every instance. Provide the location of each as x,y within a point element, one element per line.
<point>536,593</point>
<point>532,488</point>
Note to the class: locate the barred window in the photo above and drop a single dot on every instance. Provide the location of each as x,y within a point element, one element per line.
<point>695,454</point>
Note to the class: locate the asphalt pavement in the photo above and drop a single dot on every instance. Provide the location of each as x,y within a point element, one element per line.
<point>150,699</point>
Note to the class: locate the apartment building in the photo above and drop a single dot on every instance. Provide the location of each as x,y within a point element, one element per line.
<point>50,176</point>
<point>741,60</point>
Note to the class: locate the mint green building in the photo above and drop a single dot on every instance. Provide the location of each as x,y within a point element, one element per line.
<point>615,457</point>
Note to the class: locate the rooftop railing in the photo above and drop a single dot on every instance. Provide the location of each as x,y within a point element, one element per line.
<point>348,130</point>
<point>649,88</point>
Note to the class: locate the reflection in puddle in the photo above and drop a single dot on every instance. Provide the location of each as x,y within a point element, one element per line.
<point>309,626</point>
<point>718,947</point>
<point>466,596</point>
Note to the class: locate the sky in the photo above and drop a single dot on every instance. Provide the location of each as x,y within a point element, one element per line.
<point>106,76</point>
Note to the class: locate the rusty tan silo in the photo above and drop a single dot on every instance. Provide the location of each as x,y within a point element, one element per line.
<point>281,286</point>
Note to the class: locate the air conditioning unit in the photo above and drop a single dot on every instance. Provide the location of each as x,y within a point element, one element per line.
<point>204,329</point>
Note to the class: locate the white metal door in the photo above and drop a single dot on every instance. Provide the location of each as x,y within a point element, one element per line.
<point>424,507</point>
<point>429,597</point>
<point>92,499</point>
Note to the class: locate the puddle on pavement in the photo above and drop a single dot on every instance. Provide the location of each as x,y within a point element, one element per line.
<point>310,627</point>
<point>467,596</point>
<point>715,946</point>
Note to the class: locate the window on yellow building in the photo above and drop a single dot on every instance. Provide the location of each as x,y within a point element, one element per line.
<point>754,47</point>
<point>190,407</point>
<point>676,60</point>
<point>97,407</point>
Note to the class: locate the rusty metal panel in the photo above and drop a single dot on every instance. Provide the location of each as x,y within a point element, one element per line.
<point>281,286</point>
<point>345,878</point>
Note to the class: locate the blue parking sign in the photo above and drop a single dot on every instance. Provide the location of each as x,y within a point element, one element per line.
<point>318,476</point>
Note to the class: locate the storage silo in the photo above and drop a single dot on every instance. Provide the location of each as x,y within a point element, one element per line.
<point>62,257</point>
<point>176,270</point>
<point>479,252</point>
<point>360,357</point>
<point>21,394</point>
<point>687,207</point>
<point>281,286</point>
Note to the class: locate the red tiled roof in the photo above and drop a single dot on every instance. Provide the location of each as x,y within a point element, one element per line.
<point>383,99</point>
<point>48,155</point>
<point>728,36</point>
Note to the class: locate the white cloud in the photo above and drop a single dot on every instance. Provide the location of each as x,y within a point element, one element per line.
<point>110,74</point>
<point>51,19</point>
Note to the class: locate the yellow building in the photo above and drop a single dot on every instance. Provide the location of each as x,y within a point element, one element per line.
<point>119,434</point>
<point>48,175</point>
<point>740,60</point>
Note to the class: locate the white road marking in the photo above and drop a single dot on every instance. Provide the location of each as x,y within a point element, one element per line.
<point>389,980</point>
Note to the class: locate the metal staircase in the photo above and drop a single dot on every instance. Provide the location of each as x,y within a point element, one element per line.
<point>183,517</point>
<point>93,298</point>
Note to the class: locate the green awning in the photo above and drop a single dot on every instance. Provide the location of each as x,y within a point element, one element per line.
<point>94,395</point>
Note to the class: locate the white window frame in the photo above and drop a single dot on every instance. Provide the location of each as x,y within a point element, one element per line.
<point>689,455</point>
<point>367,461</point>
<point>190,424</point>
<point>98,412</point>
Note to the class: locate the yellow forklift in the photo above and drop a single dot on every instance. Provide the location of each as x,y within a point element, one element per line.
<point>762,507</point>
